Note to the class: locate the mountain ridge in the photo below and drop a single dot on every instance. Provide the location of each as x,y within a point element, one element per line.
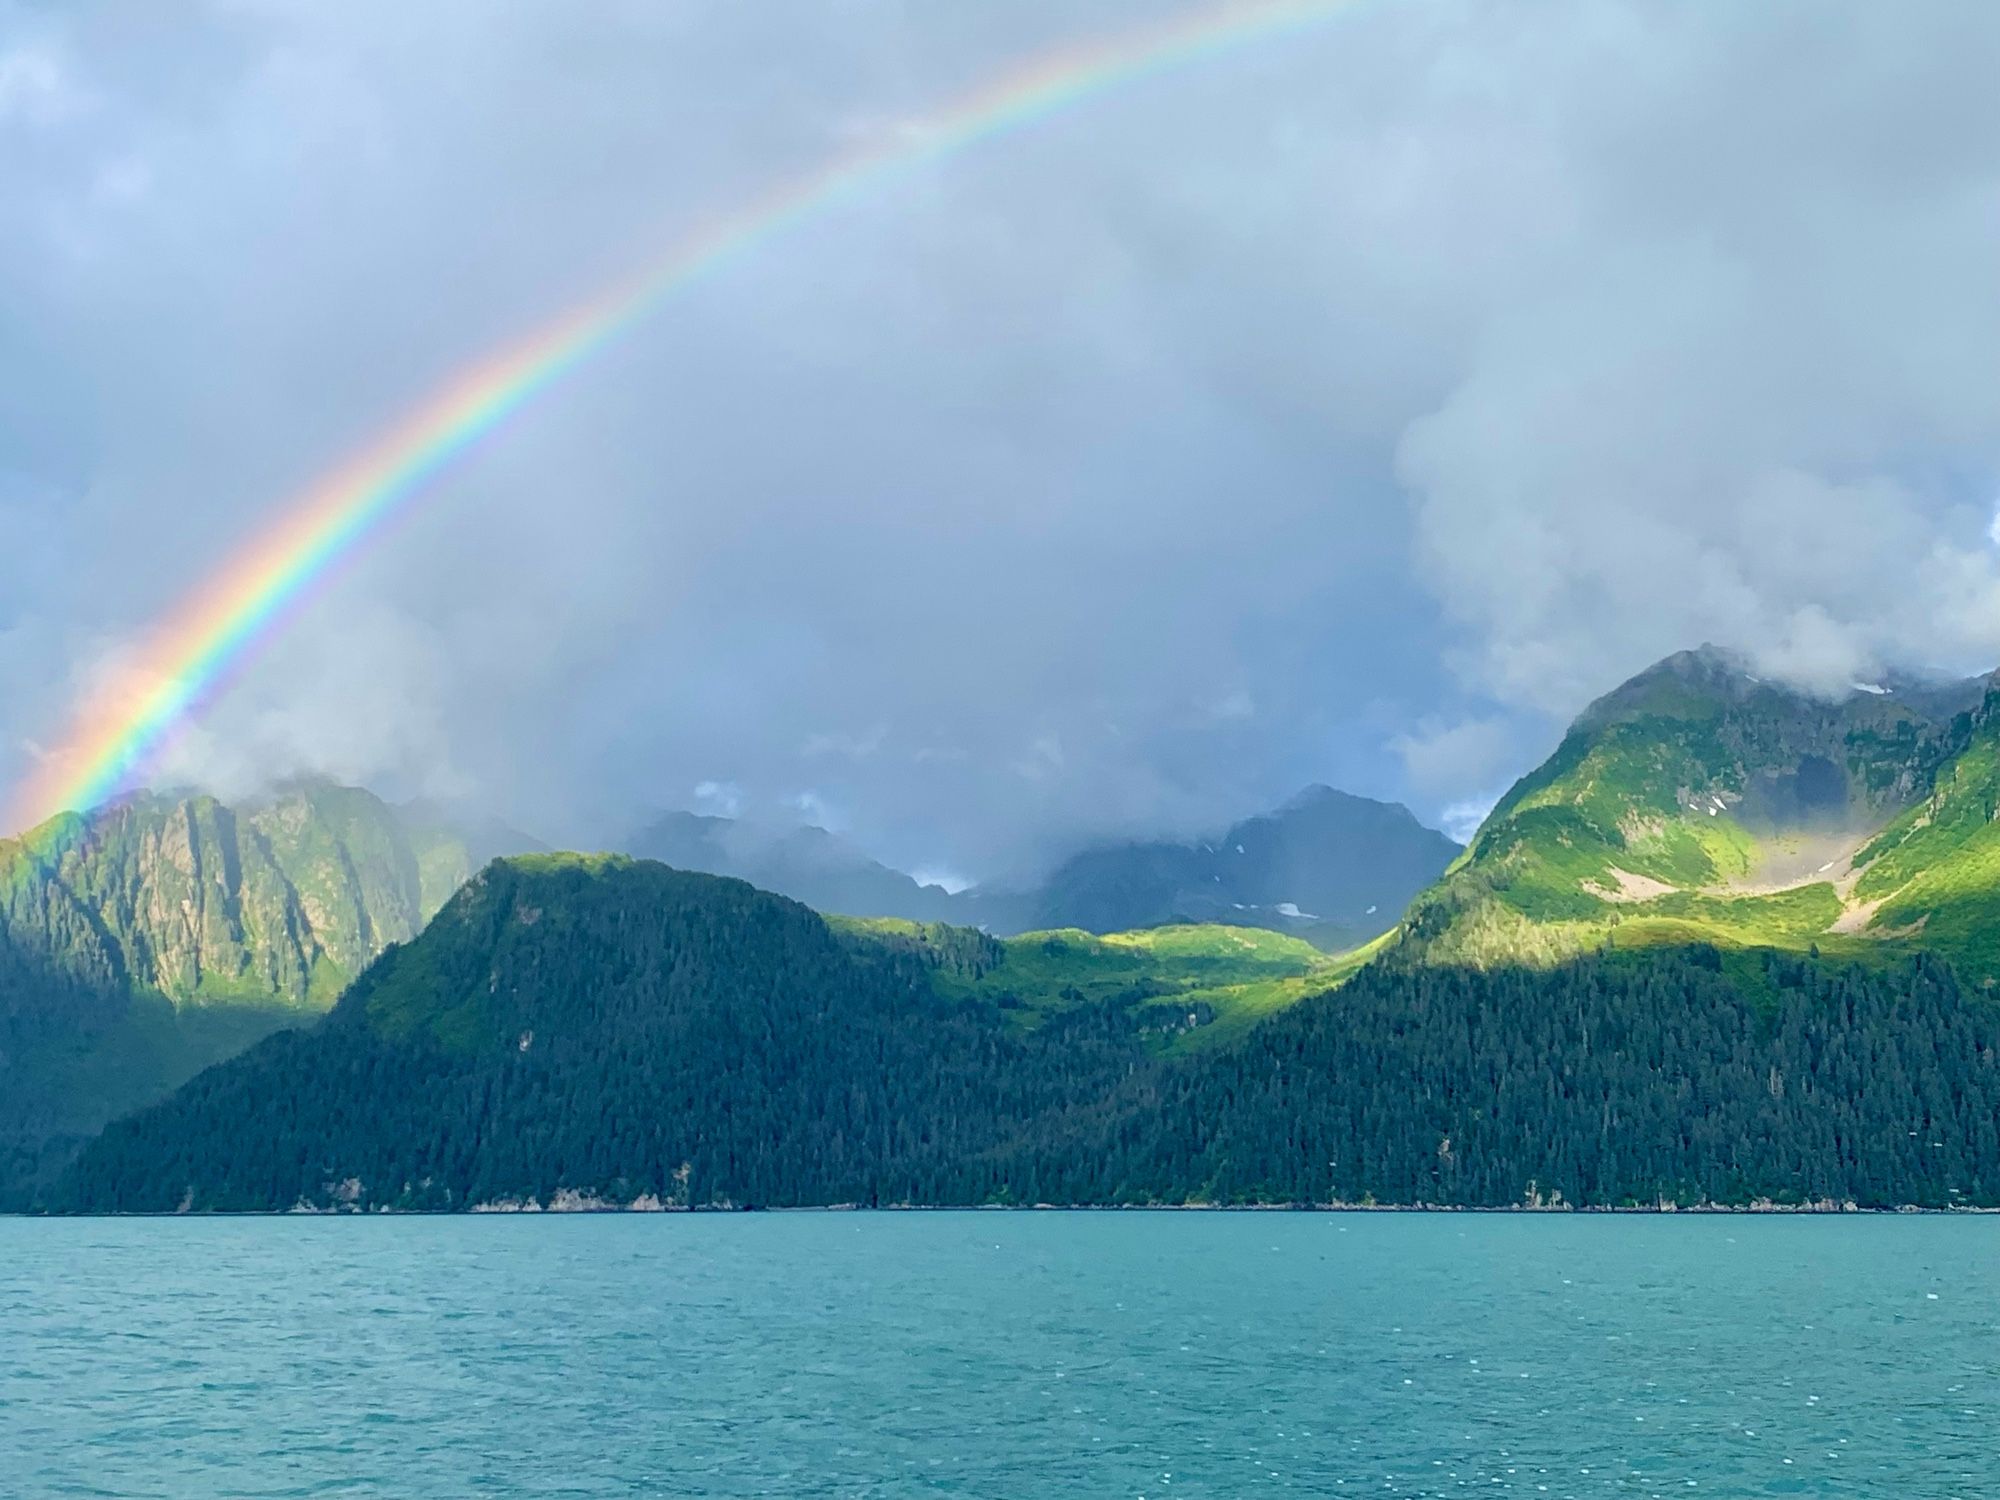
<point>807,863</point>
<point>1326,865</point>
<point>1697,802</point>
<point>149,938</point>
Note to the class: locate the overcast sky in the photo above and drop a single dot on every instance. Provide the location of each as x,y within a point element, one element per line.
<point>1349,409</point>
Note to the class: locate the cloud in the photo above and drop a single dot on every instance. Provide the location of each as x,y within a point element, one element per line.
<point>1461,819</point>
<point>1441,759</point>
<point>815,811</point>
<point>1350,410</point>
<point>722,799</point>
<point>376,715</point>
<point>1739,406</point>
<point>37,91</point>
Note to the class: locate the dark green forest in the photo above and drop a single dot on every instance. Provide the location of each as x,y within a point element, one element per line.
<point>618,1031</point>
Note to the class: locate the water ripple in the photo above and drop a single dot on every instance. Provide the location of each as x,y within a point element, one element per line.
<point>998,1355</point>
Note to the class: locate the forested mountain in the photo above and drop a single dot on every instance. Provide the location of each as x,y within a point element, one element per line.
<point>154,936</point>
<point>1328,866</point>
<point>578,1030</point>
<point>1698,803</point>
<point>617,1028</point>
<point>1674,1077</point>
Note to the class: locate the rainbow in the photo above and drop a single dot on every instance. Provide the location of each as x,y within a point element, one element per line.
<point>191,655</point>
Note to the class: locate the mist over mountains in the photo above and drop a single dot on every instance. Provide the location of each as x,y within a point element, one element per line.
<point>1326,865</point>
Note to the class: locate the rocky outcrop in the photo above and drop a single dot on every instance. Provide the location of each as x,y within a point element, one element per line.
<point>282,900</point>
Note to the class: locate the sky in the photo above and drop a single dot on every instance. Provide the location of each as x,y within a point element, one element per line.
<point>1351,409</point>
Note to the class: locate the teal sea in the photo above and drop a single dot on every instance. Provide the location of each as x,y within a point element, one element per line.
<point>1001,1354</point>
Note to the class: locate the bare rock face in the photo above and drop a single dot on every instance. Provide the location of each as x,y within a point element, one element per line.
<point>146,940</point>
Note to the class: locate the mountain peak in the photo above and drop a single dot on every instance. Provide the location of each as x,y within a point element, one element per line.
<point>1700,802</point>
<point>1326,864</point>
<point>1711,679</point>
<point>1317,795</point>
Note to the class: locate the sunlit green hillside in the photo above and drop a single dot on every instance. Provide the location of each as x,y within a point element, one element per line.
<point>1698,804</point>
<point>1185,987</point>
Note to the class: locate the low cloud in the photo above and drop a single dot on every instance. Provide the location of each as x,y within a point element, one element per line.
<point>1741,404</point>
<point>1440,759</point>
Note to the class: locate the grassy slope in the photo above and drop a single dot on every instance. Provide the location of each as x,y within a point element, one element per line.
<point>1650,797</point>
<point>1936,869</point>
<point>1654,793</point>
<point>1231,977</point>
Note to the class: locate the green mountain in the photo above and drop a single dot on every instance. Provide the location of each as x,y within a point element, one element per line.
<point>149,938</point>
<point>576,1032</point>
<point>1187,987</point>
<point>1699,804</point>
<point>1331,867</point>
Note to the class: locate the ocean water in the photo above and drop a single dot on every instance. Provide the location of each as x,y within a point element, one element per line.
<point>1003,1355</point>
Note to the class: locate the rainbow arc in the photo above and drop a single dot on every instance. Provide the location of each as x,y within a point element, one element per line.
<point>195,651</point>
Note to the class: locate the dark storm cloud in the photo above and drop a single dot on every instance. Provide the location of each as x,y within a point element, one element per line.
<point>1334,411</point>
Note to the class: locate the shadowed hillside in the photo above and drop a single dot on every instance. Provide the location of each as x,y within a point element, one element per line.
<point>152,937</point>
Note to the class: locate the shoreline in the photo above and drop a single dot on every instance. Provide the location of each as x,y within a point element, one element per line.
<point>538,1211</point>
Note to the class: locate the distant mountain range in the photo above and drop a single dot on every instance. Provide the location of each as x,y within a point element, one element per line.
<point>808,864</point>
<point>1330,867</point>
<point>1327,866</point>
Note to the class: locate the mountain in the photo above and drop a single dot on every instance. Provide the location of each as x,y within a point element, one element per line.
<point>597,1031</point>
<point>613,1027</point>
<point>1332,867</point>
<point>808,864</point>
<point>1698,803</point>
<point>146,939</point>
<point>1326,866</point>
<point>1732,943</point>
